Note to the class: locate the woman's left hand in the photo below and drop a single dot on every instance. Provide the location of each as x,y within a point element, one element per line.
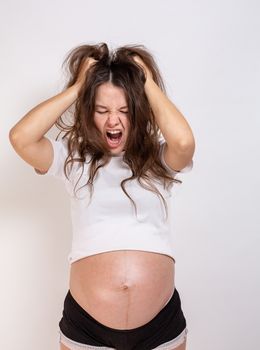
<point>140,62</point>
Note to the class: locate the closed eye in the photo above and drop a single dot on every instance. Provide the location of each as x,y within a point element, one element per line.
<point>99,112</point>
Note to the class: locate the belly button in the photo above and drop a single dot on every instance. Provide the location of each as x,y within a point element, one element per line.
<point>124,286</point>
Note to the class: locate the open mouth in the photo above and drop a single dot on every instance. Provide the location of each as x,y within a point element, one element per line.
<point>114,138</point>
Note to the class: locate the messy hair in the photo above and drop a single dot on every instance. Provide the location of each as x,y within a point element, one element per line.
<point>84,138</point>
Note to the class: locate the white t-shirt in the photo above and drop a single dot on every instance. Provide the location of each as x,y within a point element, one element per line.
<point>108,221</point>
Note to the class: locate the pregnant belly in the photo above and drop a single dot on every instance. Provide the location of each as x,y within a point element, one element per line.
<point>123,289</point>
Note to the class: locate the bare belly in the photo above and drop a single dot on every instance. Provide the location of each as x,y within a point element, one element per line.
<point>123,289</point>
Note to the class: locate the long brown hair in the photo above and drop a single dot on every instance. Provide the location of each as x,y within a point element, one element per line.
<point>142,146</point>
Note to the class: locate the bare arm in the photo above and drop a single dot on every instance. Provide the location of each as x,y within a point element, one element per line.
<point>34,125</point>
<point>27,135</point>
<point>180,142</point>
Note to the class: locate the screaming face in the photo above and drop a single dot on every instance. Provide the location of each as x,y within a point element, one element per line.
<point>111,116</point>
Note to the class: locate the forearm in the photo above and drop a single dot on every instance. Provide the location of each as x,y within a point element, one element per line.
<point>34,125</point>
<point>173,125</point>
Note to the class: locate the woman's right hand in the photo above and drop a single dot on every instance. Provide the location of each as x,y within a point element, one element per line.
<point>85,65</point>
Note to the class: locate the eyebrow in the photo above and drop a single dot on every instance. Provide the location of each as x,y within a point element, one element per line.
<point>101,106</point>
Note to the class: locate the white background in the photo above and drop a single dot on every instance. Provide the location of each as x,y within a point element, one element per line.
<point>209,55</point>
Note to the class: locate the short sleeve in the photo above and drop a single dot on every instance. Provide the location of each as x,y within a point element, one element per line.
<point>60,153</point>
<point>186,169</point>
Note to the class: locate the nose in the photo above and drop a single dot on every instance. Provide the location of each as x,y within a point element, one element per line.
<point>113,118</point>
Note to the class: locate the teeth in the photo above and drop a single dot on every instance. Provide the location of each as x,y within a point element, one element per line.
<point>114,131</point>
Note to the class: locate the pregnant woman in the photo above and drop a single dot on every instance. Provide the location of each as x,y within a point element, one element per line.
<point>118,160</point>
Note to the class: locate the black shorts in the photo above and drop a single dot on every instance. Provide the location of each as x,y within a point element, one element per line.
<point>77,328</point>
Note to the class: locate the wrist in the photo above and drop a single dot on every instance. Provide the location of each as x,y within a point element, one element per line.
<point>149,82</point>
<point>76,87</point>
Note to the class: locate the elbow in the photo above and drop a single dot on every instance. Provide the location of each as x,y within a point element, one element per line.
<point>13,137</point>
<point>187,144</point>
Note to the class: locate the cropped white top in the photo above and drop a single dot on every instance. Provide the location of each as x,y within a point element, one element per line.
<point>108,221</point>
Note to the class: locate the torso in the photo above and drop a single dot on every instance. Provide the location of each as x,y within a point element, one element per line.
<point>123,289</point>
